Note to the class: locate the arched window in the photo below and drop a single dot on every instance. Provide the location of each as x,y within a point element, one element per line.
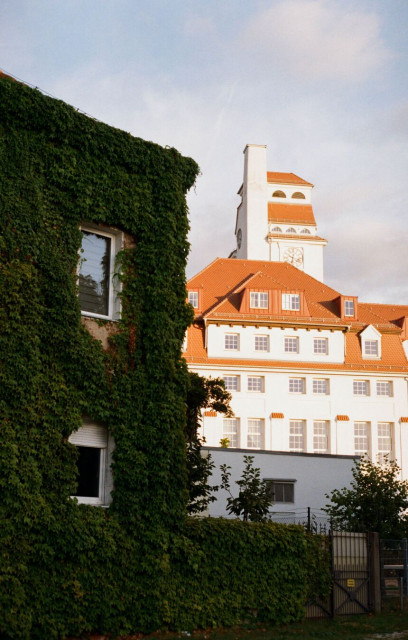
<point>291,230</point>
<point>276,230</point>
<point>298,195</point>
<point>279,194</point>
<point>305,231</point>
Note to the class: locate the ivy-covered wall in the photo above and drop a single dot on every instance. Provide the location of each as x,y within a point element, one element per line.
<point>59,168</point>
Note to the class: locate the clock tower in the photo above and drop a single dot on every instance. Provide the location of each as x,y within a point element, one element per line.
<point>275,219</point>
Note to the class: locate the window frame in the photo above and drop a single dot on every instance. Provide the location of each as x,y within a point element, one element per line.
<point>356,386</point>
<point>358,451</point>
<point>272,482</point>
<point>349,308</point>
<point>196,297</point>
<point>231,335</point>
<point>230,433</point>
<point>387,454</point>
<point>297,382</point>
<point>367,344</point>
<point>261,434</point>
<point>114,302</point>
<point>326,384</point>
<point>286,344</point>
<point>258,300</point>
<point>389,386</point>
<point>93,436</point>
<point>322,342</point>
<point>265,339</point>
<point>293,436</point>
<point>238,381</point>
<point>317,436</point>
<point>290,301</point>
<point>262,384</point>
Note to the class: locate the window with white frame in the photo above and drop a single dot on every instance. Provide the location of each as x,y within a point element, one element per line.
<point>384,434</point>
<point>258,300</point>
<point>321,345</point>
<point>232,383</point>
<point>384,388</point>
<point>291,345</point>
<point>281,490</point>
<point>371,348</point>
<point>349,307</point>
<point>193,298</point>
<point>231,341</point>
<point>320,436</point>
<point>361,387</point>
<point>256,383</point>
<point>297,385</point>
<point>320,386</point>
<point>291,301</point>
<point>261,343</point>
<point>362,438</point>
<point>98,286</point>
<point>255,433</point>
<point>297,429</point>
<point>91,441</point>
<point>230,430</point>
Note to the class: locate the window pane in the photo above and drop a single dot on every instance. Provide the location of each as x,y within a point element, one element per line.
<point>320,436</point>
<point>231,383</point>
<point>193,298</point>
<point>89,463</point>
<point>371,347</point>
<point>360,387</point>
<point>255,383</point>
<point>290,301</point>
<point>384,442</point>
<point>320,345</point>
<point>255,433</point>
<point>258,300</point>
<point>383,388</point>
<point>230,431</point>
<point>261,343</point>
<point>361,444</point>
<point>291,345</point>
<point>231,341</point>
<point>349,307</point>
<point>94,273</point>
<point>281,491</point>
<point>320,385</point>
<point>296,385</point>
<point>297,435</point>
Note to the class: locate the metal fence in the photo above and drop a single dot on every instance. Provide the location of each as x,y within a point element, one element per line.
<point>394,567</point>
<point>312,520</point>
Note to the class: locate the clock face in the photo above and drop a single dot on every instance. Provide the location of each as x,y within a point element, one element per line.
<point>294,256</point>
<point>239,238</point>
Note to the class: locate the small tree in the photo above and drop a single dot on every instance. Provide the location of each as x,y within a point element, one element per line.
<point>254,498</point>
<point>202,393</point>
<point>376,501</point>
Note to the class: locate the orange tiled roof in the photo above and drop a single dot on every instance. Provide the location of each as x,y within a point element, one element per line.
<point>286,178</point>
<point>222,284</point>
<point>296,213</point>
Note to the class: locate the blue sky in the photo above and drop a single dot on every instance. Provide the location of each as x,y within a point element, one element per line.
<point>323,83</point>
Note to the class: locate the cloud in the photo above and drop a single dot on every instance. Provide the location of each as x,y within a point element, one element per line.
<point>319,40</point>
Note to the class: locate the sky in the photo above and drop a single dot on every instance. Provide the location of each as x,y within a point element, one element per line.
<point>322,83</point>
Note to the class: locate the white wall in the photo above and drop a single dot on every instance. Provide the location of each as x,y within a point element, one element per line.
<point>315,476</point>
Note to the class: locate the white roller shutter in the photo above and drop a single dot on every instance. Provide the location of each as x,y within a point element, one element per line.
<point>90,435</point>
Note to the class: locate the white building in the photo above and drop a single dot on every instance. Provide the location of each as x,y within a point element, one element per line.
<point>311,370</point>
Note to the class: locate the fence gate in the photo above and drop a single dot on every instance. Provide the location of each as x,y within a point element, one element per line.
<point>350,555</point>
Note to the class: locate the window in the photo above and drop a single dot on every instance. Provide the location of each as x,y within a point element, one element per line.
<point>297,385</point>
<point>321,345</point>
<point>193,298</point>
<point>230,430</point>
<point>371,348</point>
<point>361,438</point>
<point>91,441</point>
<point>290,230</point>
<point>349,308</point>
<point>305,231</point>
<point>232,383</point>
<point>282,490</point>
<point>290,302</point>
<point>384,442</point>
<point>384,388</point>
<point>256,383</point>
<point>231,342</point>
<point>278,194</point>
<point>291,345</point>
<point>297,435</point>
<point>261,343</point>
<point>255,433</point>
<point>320,436</point>
<point>98,287</point>
<point>276,230</point>
<point>321,386</point>
<point>258,300</point>
<point>298,195</point>
<point>361,388</point>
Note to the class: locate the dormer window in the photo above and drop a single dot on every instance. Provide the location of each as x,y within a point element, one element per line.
<point>193,299</point>
<point>258,300</point>
<point>278,194</point>
<point>291,230</point>
<point>305,231</point>
<point>290,302</point>
<point>276,230</point>
<point>298,195</point>
<point>349,308</point>
<point>371,348</point>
